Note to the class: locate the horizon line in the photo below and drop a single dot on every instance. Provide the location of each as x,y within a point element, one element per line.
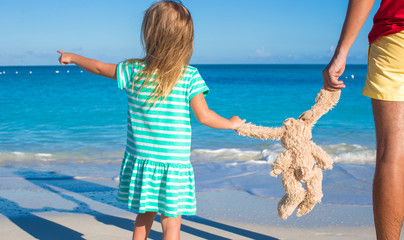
<point>72,65</point>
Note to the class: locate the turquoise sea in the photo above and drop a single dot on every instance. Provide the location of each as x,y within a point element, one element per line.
<point>61,121</point>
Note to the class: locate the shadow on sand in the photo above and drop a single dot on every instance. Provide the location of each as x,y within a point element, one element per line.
<point>41,228</point>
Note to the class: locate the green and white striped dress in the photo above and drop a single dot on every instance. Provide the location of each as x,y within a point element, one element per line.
<point>156,173</point>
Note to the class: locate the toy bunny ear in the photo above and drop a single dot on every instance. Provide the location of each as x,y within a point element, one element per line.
<point>325,101</point>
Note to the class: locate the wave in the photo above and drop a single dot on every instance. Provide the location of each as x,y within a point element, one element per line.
<point>16,158</point>
<point>342,152</point>
<point>345,153</point>
<point>26,156</point>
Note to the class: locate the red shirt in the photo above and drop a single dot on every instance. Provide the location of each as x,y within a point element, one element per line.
<point>389,19</point>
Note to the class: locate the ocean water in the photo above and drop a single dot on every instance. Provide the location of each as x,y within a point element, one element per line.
<point>60,120</point>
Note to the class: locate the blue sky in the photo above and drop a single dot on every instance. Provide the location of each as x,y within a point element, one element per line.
<point>255,31</point>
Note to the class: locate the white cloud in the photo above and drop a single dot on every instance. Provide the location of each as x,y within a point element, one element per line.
<point>261,52</point>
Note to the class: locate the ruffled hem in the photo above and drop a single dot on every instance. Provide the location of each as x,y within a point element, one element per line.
<point>150,186</point>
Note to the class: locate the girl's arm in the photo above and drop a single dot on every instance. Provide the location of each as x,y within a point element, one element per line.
<point>358,11</point>
<point>88,64</point>
<point>211,119</point>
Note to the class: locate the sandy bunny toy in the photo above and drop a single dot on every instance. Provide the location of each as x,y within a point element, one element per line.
<point>302,159</point>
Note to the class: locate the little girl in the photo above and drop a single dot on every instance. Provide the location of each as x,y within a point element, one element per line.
<point>156,174</point>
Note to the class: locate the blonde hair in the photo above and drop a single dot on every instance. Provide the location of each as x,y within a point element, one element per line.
<point>167,38</point>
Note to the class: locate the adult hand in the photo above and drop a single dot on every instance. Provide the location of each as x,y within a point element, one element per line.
<point>332,72</point>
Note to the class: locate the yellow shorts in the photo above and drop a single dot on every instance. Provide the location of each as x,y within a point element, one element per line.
<point>385,75</point>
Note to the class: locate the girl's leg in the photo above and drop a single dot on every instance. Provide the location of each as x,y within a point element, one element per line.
<point>171,227</point>
<point>143,225</point>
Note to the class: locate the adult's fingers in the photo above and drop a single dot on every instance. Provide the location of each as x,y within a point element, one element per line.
<point>333,85</point>
<point>334,88</point>
<point>336,83</point>
<point>331,81</point>
<point>60,51</point>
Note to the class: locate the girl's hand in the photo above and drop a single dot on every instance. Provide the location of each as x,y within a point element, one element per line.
<point>88,64</point>
<point>236,122</point>
<point>65,58</point>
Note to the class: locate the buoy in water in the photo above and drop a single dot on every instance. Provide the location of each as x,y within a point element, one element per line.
<point>56,71</point>
<point>352,76</point>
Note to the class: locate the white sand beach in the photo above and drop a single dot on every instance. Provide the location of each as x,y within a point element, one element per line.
<point>86,209</point>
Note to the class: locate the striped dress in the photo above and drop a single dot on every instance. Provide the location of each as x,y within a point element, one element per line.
<point>156,173</point>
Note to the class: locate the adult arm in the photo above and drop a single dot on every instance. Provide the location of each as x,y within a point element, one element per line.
<point>88,64</point>
<point>211,119</point>
<point>358,11</point>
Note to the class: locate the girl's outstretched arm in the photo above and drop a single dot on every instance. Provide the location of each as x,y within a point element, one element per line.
<point>88,64</point>
<point>211,119</point>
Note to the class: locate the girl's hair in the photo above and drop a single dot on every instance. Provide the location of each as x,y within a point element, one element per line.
<point>167,37</point>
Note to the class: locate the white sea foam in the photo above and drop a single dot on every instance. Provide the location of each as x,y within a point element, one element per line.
<point>351,153</point>
<point>339,153</point>
<point>44,157</point>
<point>18,153</point>
<point>225,154</point>
<point>25,158</point>
<point>343,153</point>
